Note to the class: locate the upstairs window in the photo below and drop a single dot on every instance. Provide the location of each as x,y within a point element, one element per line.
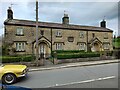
<point>42,32</point>
<point>20,46</point>
<point>105,35</point>
<point>70,39</point>
<point>93,35</point>
<point>58,34</point>
<point>81,34</point>
<point>19,31</point>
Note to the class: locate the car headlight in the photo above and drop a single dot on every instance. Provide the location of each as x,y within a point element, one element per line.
<point>19,73</point>
<point>25,70</point>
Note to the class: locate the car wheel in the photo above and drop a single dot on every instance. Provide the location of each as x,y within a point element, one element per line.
<point>8,78</point>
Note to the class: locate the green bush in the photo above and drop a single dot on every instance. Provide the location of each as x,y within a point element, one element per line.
<point>10,59</point>
<point>68,54</point>
<point>116,42</point>
<point>4,50</point>
<point>110,53</point>
<point>69,51</point>
<point>7,59</point>
<point>77,55</point>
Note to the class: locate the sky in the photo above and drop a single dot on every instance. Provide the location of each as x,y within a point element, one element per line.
<point>87,12</point>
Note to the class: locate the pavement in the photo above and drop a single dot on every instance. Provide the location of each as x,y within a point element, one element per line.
<point>68,65</point>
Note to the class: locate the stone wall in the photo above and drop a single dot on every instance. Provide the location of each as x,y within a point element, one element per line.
<point>30,36</point>
<point>84,59</point>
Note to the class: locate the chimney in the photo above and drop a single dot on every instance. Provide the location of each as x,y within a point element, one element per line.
<point>65,19</point>
<point>10,13</point>
<point>103,23</point>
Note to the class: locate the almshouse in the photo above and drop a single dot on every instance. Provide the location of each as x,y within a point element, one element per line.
<point>20,35</point>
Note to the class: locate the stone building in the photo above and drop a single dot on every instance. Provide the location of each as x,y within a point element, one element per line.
<point>20,35</point>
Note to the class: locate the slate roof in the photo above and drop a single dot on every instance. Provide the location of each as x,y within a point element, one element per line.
<point>55,25</point>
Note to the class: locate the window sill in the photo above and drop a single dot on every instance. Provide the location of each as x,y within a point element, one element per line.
<point>105,38</point>
<point>106,49</point>
<point>70,41</point>
<point>81,37</point>
<point>59,36</point>
<point>19,34</point>
<point>20,51</point>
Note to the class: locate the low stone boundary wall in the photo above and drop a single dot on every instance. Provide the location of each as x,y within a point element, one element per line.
<point>84,59</point>
<point>60,61</point>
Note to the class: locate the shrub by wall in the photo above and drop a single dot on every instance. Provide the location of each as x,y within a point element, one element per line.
<point>77,55</point>
<point>10,59</point>
<point>69,51</point>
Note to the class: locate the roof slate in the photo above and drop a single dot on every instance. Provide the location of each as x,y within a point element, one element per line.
<point>54,25</point>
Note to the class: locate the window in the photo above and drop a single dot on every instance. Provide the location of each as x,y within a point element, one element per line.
<point>93,35</point>
<point>20,46</point>
<point>59,46</point>
<point>70,39</point>
<point>105,35</point>
<point>58,34</point>
<point>42,32</point>
<point>106,46</point>
<point>81,46</point>
<point>19,31</point>
<point>32,33</point>
<point>81,34</point>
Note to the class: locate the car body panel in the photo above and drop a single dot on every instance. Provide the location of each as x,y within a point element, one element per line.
<point>17,70</point>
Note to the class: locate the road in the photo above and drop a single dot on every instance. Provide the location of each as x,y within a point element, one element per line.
<point>108,83</point>
<point>105,75</point>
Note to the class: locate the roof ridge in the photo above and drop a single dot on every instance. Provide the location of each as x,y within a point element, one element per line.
<point>57,23</point>
<point>53,24</point>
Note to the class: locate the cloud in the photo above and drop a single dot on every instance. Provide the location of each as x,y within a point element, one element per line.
<point>82,13</point>
<point>79,12</point>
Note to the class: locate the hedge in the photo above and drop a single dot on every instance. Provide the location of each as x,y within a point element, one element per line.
<point>69,51</point>
<point>77,55</point>
<point>8,59</point>
<point>68,54</point>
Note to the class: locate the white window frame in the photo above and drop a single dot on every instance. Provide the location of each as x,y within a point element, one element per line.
<point>58,33</point>
<point>82,46</point>
<point>105,35</point>
<point>81,34</point>
<point>59,46</point>
<point>70,39</point>
<point>106,46</point>
<point>19,31</point>
<point>20,46</point>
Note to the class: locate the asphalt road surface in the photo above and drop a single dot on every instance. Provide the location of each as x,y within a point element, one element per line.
<point>108,83</point>
<point>100,76</point>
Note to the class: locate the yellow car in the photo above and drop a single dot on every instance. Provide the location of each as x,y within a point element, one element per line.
<point>10,73</point>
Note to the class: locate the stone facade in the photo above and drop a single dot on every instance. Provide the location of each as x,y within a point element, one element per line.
<point>21,36</point>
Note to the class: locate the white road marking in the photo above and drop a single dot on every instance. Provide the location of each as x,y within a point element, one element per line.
<point>86,81</point>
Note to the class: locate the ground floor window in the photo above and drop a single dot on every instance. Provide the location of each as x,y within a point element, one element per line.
<point>59,46</point>
<point>82,46</point>
<point>106,46</point>
<point>20,46</point>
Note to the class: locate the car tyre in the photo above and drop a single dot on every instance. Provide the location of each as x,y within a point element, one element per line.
<point>9,78</point>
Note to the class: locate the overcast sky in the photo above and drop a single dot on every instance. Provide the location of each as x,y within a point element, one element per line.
<point>88,12</point>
